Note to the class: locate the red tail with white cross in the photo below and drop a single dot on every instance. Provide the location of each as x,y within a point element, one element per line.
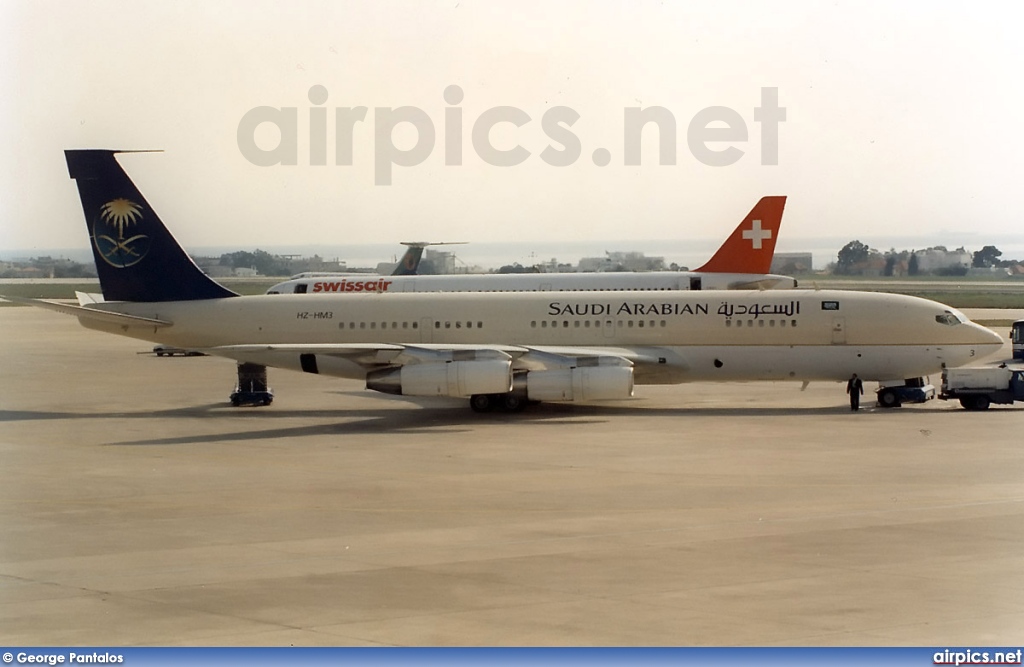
<point>751,246</point>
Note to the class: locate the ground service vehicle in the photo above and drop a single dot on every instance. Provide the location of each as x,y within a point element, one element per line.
<point>1017,339</point>
<point>893,394</point>
<point>977,388</point>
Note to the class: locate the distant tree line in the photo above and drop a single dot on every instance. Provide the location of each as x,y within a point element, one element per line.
<point>264,263</point>
<point>855,258</point>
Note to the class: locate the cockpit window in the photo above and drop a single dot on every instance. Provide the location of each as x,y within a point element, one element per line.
<point>949,318</point>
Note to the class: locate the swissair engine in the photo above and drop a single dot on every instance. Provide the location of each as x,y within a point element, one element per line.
<point>481,373</point>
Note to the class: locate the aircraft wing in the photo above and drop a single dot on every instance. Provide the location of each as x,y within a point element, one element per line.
<point>90,313</point>
<point>375,355</point>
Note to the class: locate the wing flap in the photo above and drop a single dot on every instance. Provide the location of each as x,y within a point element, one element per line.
<point>364,354</point>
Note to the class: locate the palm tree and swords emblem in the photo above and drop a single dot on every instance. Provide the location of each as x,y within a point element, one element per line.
<point>121,252</point>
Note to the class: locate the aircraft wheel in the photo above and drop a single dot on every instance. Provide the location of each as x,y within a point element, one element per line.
<point>481,402</point>
<point>513,402</point>
<point>888,399</point>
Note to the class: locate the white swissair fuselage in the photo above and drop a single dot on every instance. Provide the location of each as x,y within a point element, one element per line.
<point>533,282</point>
<point>667,337</point>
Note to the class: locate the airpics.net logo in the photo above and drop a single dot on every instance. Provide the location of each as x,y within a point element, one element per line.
<point>716,136</point>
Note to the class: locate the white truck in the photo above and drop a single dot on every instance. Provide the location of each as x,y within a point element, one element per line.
<point>977,388</point>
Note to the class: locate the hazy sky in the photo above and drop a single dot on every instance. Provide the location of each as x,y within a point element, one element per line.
<point>902,119</point>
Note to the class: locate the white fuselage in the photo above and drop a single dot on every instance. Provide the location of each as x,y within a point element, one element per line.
<point>669,337</point>
<point>532,282</point>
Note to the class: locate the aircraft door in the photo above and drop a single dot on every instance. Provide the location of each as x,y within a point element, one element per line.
<point>609,327</point>
<point>839,331</point>
<point>426,330</point>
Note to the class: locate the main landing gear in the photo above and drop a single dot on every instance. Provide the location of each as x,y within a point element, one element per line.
<point>509,402</point>
<point>252,389</point>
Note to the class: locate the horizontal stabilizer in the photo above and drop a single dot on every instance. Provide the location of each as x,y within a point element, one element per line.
<point>90,313</point>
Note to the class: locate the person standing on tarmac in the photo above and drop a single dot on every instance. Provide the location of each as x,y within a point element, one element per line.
<point>854,387</point>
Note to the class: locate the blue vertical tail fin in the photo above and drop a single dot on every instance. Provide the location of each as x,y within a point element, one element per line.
<point>137,258</point>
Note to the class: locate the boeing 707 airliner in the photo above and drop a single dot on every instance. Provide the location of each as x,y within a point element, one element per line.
<point>500,350</point>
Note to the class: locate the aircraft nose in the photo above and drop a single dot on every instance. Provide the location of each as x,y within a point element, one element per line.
<point>986,336</point>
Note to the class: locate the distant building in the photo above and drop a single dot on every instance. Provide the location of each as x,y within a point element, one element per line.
<point>787,263</point>
<point>933,259</point>
<point>316,263</point>
<point>212,267</point>
<point>621,261</point>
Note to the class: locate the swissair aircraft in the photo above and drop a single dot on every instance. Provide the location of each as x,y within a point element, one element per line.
<point>500,350</point>
<point>742,262</point>
<point>408,264</point>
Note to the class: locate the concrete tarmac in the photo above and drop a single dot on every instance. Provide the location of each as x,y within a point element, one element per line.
<point>138,508</point>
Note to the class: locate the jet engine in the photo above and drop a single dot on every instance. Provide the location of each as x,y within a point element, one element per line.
<point>593,383</point>
<point>451,378</point>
